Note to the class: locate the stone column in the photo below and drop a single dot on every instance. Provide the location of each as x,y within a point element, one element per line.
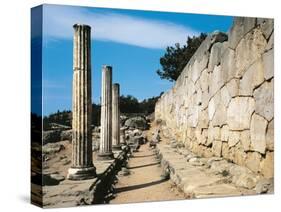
<point>82,161</point>
<point>105,151</point>
<point>115,117</point>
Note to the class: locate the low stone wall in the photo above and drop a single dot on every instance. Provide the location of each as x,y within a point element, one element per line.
<point>222,103</point>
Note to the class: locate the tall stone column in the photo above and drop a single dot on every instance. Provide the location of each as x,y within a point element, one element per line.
<point>115,117</point>
<point>82,161</point>
<point>105,151</point>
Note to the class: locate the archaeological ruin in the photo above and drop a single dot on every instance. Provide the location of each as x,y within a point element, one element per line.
<point>211,135</point>
<point>222,103</point>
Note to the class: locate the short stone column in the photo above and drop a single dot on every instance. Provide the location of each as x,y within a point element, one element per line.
<point>115,117</point>
<point>82,161</point>
<point>105,151</point>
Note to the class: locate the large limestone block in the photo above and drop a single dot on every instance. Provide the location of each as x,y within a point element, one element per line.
<point>234,138</point>
<point>216,148</point>
<point>227,152</point>
<point>252,78</point>
<point>213,134</point>
<point>203,121</point>
<point>258,132</point>
<point>245,138</point>
<point>268,62</point>
<point>211,109</point>
<point>267,165</point>
<point>249,50</point>
<point>233,87</point>
<point>239,113</point>
<point>217,80</point>
<point>240,156</point>
<point>264,100</point>
<point>224,133</point>
<point>270,136</point>
<point>219,118</point>
<point>266,25</point>
<point>270,43</point>
<point>193,118</point>
<point>228,64</point>
<point>204,80</point>
<point>225,96</point>
<point>253,161</point>
<point>215,56</point>
<point>241,26</point>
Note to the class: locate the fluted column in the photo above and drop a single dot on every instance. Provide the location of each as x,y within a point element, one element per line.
<point>115,117</point>
<point>105,151</point>
<point>82,162</point>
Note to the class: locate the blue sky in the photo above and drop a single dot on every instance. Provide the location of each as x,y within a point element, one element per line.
<point>131,41</point>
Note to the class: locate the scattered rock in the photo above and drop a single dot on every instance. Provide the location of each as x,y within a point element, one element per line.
<point>51,179</point>
<point>51,148</point>
<point>51,136</point>
<point>66,135</point>
<point>57,177</point>
<point>137,122</point>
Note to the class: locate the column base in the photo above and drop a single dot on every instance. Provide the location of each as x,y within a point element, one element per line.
<point>116,147</point>
<point>81,173</point>
<point>105,156</point>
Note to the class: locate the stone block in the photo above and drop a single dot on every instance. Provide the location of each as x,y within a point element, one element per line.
<point>239,113</point>
<point>233,87</point>
<point>215,56</point>
<point>266,25</point>
<point>245,139</point>
<point>219,118</point>
<point>225,96</point>
<point>267,165</point>
<point>265,100</point>
<point>269,137</point>
<point>252,78</point>
<point>228,64</point>
<point>234,138</point>
<point>216,80</point>
<point>216,148</point>
<point>224,133</point>
<point>241,26</point>
<point>249,50</point>
<point>258,131</point>
<point>253,161</point>
<point>268,64</point>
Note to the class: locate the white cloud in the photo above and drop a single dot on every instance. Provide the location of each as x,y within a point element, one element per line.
<point>109,26</point>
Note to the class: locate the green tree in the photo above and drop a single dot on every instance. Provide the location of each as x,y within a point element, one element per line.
<point>129,104</point>
<point>176,57</point>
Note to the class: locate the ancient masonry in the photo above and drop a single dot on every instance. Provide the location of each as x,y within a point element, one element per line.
<point>82,164</point>
<point>222,103</point>
<point>115,117</point>
<point>105,151</point>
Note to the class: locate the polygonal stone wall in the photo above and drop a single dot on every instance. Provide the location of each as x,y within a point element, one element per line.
<point>222,103</point>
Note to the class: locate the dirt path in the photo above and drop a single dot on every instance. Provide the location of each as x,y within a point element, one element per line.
<point>144,182</point>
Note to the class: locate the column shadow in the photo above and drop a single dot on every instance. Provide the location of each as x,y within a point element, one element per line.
<point>145,165</point>
<point>135,187</point>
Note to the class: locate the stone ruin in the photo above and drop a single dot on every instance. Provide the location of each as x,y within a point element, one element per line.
<point>222,103</point>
